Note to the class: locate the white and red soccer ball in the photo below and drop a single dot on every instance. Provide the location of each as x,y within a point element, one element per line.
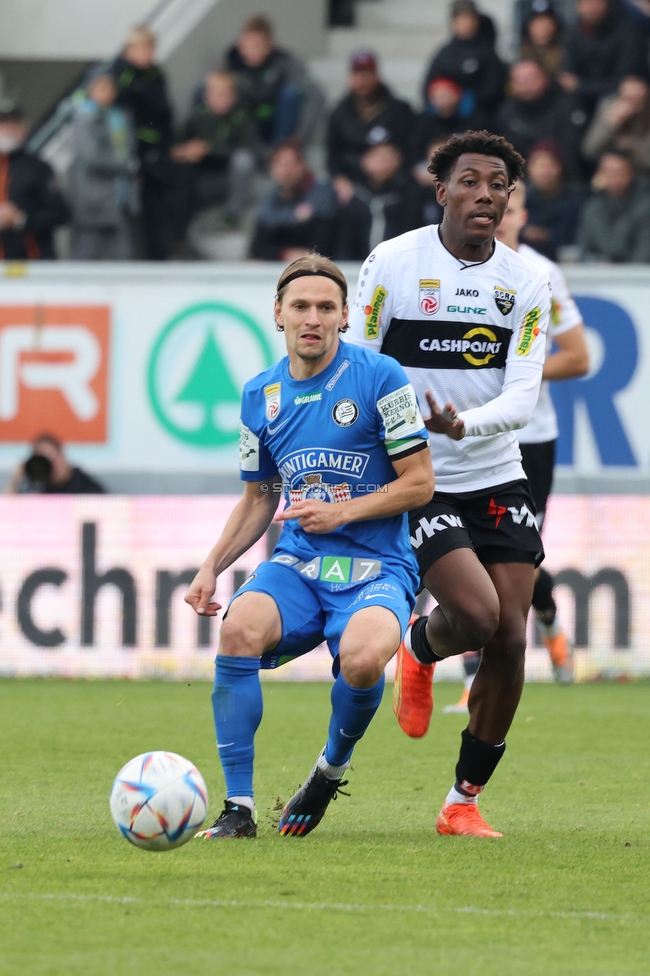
<point>158,801</point>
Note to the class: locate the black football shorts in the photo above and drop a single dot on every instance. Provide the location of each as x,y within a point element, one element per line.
<point>497,523</point>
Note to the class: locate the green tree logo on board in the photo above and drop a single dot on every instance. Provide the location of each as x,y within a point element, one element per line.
<point>197,370</point>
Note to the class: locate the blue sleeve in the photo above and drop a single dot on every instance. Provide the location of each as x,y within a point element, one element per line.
<point>401,426</point>
<point>255,461</point>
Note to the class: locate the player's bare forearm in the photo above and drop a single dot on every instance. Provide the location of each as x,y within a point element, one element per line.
<point>248,521</point>
<point>412,488</point>
<point>571,358</point>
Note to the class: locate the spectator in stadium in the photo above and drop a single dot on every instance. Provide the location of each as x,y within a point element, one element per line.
<point>446,114</point>
<point>31,206</point>
<point>216,154</point>
<point>273,85</point>
<point>538,109</point>
<point>615,222</point>
<point>431,210</point>
<point>102,187</point>
<point>367,116</point>
<point>622,121</point>
<point>553,206</point>
<point>297,216</point>
<point>470,59</point>
<point>48,471</point>
<point>601,47</point>
<point>541,37</point>
<point>143,91</point>
<point>394,198</point>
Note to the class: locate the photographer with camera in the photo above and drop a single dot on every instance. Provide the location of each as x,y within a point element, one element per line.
<point>47,471</point>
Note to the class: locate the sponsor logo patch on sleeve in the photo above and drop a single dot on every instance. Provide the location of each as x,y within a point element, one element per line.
<point>373,312</point>
<point>249,449</point>
<point>273,396</point>
<point>529,330</point>
<point>400,412</point>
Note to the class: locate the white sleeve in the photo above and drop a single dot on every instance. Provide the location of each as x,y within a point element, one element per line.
<point>514,406</point>
<point>371,311</point>
<point>565,314</point>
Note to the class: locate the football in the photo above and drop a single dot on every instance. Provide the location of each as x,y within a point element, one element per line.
<point>158,801</point>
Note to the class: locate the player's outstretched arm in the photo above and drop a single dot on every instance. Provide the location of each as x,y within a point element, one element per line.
<point>412,488</point>
<point>248,521</point>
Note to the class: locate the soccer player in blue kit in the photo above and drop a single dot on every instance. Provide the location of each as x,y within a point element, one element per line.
<point>337,430</point>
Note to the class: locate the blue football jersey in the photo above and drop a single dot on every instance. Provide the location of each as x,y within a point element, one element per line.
<point>332,438</point>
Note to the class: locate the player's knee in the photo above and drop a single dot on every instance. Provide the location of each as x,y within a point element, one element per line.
<point>237,639</point>
<point>508,648</point>
<point>476,624</point>
<point>362,669</point>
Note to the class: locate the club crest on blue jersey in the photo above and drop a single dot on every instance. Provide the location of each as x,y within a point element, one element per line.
<point>345,412</point>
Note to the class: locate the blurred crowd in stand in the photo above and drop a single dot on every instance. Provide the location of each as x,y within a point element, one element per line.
<point>262,153</point>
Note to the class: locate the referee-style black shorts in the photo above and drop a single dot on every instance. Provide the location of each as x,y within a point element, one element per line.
<point>497,523</point>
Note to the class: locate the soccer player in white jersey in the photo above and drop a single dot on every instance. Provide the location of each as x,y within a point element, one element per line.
<point>537,440</point>
<point>337,429</point>
<point>467,317</point>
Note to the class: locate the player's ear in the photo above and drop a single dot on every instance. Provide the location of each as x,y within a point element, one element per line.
<point>441,193</point>
<point>343,324</point>
<point>277,315</point>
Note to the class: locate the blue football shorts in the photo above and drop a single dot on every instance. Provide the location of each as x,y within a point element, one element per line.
<point>313,610</point>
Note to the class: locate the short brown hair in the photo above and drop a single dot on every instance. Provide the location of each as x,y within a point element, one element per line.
<point>312,264</point>
<point>258,24</point>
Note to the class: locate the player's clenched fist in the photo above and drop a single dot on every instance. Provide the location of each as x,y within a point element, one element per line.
<point>199,596</point>
<point>313,516</point>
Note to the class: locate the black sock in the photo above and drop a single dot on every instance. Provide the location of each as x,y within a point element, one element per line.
<point>476,763</point>
<point>421,646</point>
<point>543,601</point>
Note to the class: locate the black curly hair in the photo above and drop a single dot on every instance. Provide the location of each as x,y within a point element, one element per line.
<point>485,144</point>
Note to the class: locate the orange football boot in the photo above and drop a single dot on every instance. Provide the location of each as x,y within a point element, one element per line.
<point>464,820</point>
<point>412,692</point>
<point>562,658</point>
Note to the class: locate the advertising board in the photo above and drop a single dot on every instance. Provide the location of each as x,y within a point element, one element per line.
<point>93,586</point>
<point>140,369</point>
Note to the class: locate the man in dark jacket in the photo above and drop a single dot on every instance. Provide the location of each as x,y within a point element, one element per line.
<point>143,91</point>
<point>553,207</point>
<point>216,153</point>
<point>368,116</point>
<point>30,203</point>
<point>601,47</point>
<point>470,59</point>
<point>297,216</point>
<point>539,109</point>
<point>393,196</point>
<point>273,85</point>
<point>615,223</point>
<point>49,472</point>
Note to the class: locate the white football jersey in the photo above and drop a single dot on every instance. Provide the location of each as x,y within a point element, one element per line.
<point>565,315</point>
<point>472,334</point>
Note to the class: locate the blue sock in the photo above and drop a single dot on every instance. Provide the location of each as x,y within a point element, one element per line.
<point>352,712</point>
<point>237,709</point>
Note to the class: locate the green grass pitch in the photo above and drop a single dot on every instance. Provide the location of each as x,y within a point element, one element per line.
<point>373,890</point>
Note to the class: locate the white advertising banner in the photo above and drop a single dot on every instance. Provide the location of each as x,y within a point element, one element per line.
<point>141,368</point>
<point>93,586</point>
